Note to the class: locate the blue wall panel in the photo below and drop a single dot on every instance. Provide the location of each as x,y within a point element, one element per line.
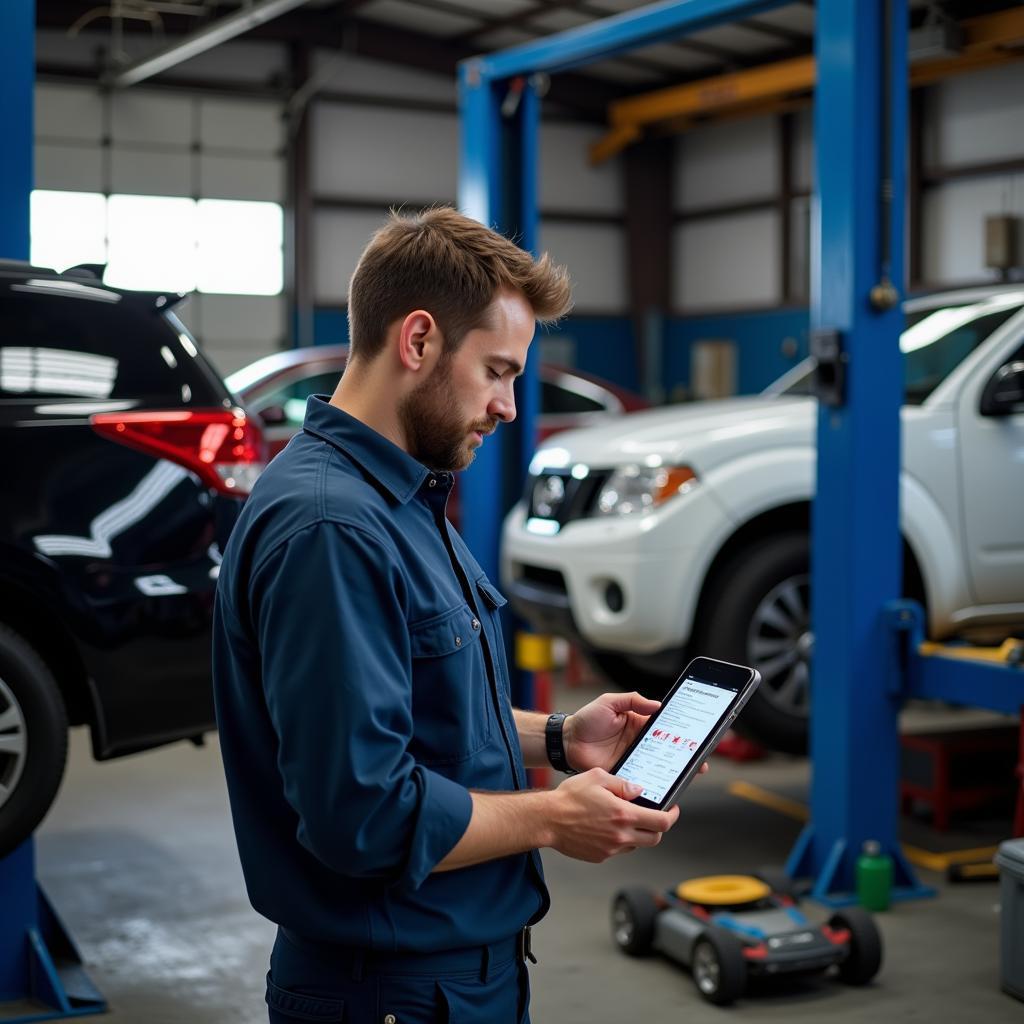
<point>759,339</point>
<point>603,345</point>
<point>330,326</point>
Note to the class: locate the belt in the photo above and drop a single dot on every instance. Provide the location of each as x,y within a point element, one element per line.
<point>359,962</point>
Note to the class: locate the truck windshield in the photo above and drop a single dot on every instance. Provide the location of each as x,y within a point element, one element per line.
<point>934,343</point>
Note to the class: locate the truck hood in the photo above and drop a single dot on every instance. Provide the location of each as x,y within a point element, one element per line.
<point>699,434</point>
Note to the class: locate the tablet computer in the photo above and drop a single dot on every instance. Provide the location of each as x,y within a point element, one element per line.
<point>694,715</point>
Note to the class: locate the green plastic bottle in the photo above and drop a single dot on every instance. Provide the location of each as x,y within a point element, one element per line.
<point>874,877</point>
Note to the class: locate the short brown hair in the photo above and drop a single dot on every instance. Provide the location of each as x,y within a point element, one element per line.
<point>451,266</point>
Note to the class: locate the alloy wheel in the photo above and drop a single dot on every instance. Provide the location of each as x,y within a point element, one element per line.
<point>13,743</point>
<point>780,644</point>
<point>707,972</point>
<point>623,925</point>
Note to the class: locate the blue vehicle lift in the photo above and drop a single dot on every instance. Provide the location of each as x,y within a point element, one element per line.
<point>41,975</point>
<point>864,664</point>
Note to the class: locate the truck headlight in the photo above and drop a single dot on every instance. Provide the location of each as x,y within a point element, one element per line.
<point>634,490</point>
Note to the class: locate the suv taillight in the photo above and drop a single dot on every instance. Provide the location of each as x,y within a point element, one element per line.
<point>223,447</point>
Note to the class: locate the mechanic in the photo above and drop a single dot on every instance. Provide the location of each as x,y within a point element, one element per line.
<point>374,763</point>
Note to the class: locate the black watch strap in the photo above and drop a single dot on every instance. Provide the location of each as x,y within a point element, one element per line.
<point>554,742</point>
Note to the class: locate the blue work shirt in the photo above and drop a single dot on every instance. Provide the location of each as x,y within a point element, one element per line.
<point>361,690</point>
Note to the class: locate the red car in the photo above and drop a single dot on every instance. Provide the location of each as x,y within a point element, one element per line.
<point>276,388</point>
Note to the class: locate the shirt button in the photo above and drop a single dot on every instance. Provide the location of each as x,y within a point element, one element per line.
<point>458,641</point>
<point>390,1019</point>
<point>476,623</point>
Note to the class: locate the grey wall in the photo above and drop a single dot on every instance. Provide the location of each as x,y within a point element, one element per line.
<point>970,120</point>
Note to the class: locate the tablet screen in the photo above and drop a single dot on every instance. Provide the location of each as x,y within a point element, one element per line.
<point>686,720</point>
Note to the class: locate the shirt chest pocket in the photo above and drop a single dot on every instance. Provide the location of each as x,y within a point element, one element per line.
<point>450,689</point>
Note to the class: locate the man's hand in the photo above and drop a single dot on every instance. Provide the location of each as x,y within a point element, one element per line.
<point>598,734</point>
<point>592,818</point>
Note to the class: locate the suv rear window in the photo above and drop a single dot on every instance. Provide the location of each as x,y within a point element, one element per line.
<point>556,399</point>
<point>63,340</point>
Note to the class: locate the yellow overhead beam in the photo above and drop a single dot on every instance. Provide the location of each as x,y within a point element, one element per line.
<point>614,142</point>
<point>709,94</point>
<point>785,105</point>
<point>1004,28</point>
<point>988,40</point>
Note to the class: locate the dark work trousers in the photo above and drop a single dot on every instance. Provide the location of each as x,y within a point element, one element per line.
<point>314,982</point>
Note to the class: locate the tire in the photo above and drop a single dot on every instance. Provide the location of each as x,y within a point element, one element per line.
<point>626,675</point>
<point>719,968</point>
<point>864,959</point>
<point>757,612</point>
<point>634,912</point>
<point>33,739</point>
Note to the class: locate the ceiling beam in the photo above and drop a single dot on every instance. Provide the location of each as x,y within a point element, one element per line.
<point>336,29</point>
<point>785,35</point>
<point>214,34</point>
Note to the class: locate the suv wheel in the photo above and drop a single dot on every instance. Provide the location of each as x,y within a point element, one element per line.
<point>33,739</point>
<point>757,613</point>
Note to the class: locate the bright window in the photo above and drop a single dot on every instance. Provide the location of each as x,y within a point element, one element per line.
<point>151,243</point>
<point>162,243</point>
<point>240,247</point>
<point>68,228</point>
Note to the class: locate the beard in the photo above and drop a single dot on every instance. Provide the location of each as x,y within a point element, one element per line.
<point>435,431</point>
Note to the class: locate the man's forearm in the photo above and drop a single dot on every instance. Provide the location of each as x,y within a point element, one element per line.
<point>589,817</point>
<point>502,824</point>
<point>530,726</point>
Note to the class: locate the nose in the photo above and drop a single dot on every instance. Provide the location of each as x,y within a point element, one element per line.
<point>503,406</point>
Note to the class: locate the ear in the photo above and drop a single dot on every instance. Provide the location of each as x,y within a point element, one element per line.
<point>419,341</point>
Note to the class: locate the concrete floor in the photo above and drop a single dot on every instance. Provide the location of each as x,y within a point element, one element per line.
<point>139,859</point>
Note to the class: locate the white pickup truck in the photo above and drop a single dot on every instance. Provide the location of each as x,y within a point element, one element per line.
<point>686,528</point>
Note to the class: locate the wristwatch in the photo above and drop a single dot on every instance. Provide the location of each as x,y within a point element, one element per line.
<point>554,743</point>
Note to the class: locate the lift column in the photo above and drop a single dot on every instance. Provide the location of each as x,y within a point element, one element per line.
<point>498,187</point>
<point>857,279</point>
<point>41,977</point>
<point>17,77</point>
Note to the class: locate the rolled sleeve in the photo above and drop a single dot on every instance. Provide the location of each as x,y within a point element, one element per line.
<point>330,611</point>
<point>445,810</point>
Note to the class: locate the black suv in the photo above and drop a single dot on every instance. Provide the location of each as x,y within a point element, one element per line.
<point>125,463</point>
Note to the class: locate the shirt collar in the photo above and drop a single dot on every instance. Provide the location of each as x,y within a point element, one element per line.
<point>394,468</point>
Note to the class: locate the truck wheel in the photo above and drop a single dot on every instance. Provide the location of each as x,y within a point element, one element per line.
<point>757,612</point>
<point>864,958</point>
<point>719,969</point>
<point>623,674</point>
<point>33,739</point>
<point>634,911</point>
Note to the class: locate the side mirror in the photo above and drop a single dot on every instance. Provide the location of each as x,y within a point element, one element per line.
<point>273,415</point>
<point>1004,393</point>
